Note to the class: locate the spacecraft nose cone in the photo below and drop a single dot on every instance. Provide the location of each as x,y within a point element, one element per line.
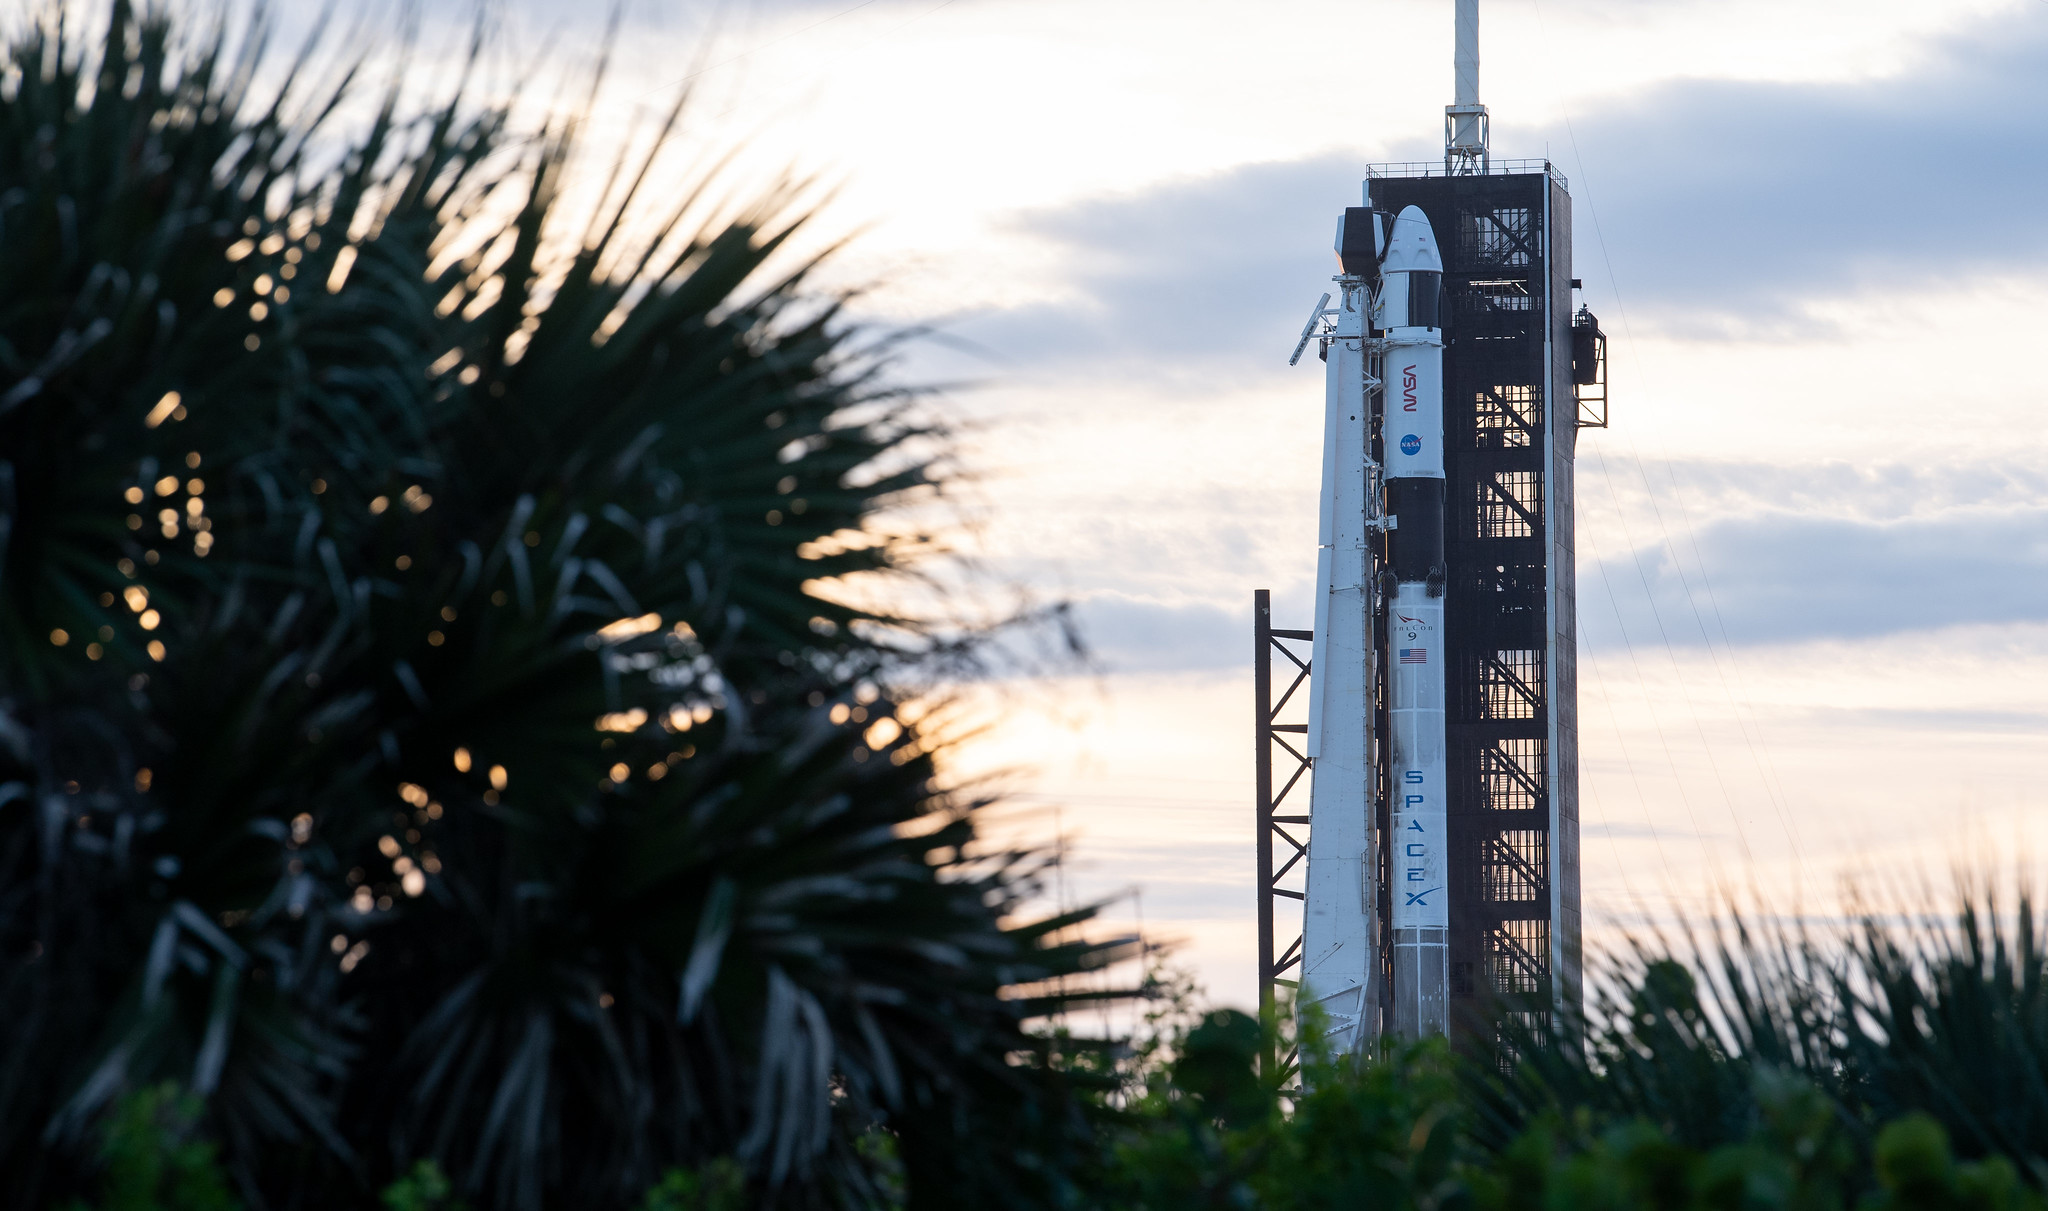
<point>1411,244</point>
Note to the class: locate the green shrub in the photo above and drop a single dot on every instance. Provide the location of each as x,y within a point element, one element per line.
<point>154,1158</point>
<point>1421,1127</point>
<point>426,1188</point>
<point>719,1185</point>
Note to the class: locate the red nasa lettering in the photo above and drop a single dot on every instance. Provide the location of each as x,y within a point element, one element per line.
<point>1408,389</point>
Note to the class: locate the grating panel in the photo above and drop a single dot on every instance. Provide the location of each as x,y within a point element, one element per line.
<point>1512,866</point>
<point>1511,684</point>
<point>1501,237</point>
<point>1506,417</point>
<point>1509,504</point>
<point>1516,956</point>
<point>1513,772</point>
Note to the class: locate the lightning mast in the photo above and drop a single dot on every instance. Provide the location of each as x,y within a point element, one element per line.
<point>1466,130</point>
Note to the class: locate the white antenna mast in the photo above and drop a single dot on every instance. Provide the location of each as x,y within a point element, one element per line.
<point>1465,123</point>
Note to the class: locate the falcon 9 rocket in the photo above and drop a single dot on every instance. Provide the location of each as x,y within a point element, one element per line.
<point>1441,893</point>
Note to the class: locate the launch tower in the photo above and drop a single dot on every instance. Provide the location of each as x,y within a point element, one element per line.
<point>1464,908</point>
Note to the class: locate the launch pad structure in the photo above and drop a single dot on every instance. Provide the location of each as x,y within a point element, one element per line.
<point>1499,948</point>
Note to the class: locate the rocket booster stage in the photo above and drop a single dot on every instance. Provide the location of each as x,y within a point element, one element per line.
<point>1412,430</point>
<point>1340,921</point>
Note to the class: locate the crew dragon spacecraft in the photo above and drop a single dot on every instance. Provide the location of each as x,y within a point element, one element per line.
<point>1438,882</point>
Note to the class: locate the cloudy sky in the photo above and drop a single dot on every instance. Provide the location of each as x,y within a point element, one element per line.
<point>1814,545</point>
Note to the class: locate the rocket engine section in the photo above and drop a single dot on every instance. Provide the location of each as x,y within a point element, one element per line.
<point>1407,320</point>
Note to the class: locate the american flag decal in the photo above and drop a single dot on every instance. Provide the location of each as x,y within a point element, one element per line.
<point>1414,655</point>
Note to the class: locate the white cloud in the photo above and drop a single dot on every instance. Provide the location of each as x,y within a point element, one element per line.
<point>1780,553</point>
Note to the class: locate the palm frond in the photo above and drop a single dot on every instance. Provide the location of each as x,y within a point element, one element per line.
<point>451,752</point>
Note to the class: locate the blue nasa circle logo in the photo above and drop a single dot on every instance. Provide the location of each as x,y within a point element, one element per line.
<point>1411,444</point>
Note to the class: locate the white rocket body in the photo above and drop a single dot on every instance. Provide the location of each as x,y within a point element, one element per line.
<point>1417,836</point>
<point>1412,430</point>
<point>1340,926</point>
<point>1385,364</point>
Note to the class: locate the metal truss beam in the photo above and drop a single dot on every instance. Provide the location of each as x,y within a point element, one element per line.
<point>1282,836</point>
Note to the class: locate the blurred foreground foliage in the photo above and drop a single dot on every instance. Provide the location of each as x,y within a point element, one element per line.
<point>1195,1115</point>
<point>438,722</point>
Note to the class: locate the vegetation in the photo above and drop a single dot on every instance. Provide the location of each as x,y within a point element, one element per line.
<point>443,763</point>
<point>429,727</point>
<point>1196,1125</point>
<point>1943,1017</point>
<point>1900,1066</point>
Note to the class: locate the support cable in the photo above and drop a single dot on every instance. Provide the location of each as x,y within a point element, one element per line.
<point>1742,709</point>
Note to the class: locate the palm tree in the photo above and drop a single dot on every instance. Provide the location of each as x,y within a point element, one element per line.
<point>429,731</point>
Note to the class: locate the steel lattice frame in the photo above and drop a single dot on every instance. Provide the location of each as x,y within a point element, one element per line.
<point>1510,415</point>
<point>1281,838</point>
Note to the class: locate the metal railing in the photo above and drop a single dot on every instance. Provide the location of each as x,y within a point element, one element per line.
<point>1496,168</point>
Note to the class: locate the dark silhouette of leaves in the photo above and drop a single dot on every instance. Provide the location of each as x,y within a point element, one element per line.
<point>427,729</point>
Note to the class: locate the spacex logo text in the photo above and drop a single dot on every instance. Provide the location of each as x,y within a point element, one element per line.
<point>1408,389</point>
